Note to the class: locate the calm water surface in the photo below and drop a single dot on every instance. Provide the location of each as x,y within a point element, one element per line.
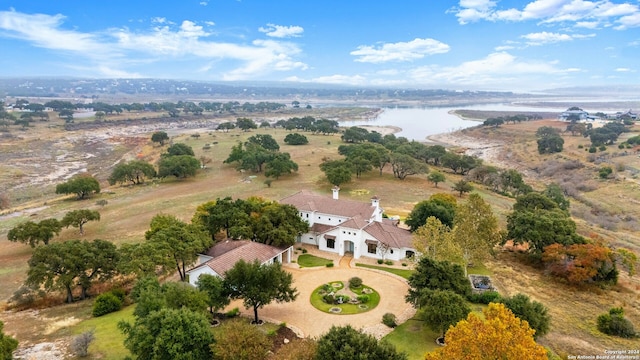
<point>418,123</point>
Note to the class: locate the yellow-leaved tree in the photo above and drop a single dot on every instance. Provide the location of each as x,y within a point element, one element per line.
<point>500,336</point>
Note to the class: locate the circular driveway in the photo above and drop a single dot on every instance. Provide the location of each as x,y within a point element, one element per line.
<point>308,321</point>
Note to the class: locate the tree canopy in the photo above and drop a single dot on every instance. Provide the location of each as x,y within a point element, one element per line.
<point>179,149</point>
<point>159,137</point>
<point>169,334</point>
<point>501,335</point>
<point>7,344</point>
<point>180,166</point>
<point>181,241</point>
<point>345,343</point>
<point>444,308</point>
<point>256,219</point>
<point>78,218</point>
<point>134,172</point>
<point>67,265</point>
<point>432,275</point>
<point>337,171</point>
<point>259,285</point>
<point>81,185</point>
<point>533,312</point>
<point>238,340</point>
<point>33,233</point>
<point>296,139</point>
<point>213,286</point>
<point>441,208</point>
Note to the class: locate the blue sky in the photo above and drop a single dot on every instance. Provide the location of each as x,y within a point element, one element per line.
<point>468,44</point>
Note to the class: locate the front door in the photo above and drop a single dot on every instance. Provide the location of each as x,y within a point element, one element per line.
<point>348,246</point>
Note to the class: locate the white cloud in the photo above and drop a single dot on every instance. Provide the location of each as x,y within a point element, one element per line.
<point>504,48</point>
<point>159,20</point>
<point>400,51</point>
<point>340,79</point>
<point>624,70</point>
<point>629,21</point>
<point>280,31</point>
<point>544,37</point>
<point>587,24</point>
<point>113,50</point>
<point>42,30</point>
<point>583,12</point>
<point>497,69</point>
<point>210,23</point>
<point>204,3</point>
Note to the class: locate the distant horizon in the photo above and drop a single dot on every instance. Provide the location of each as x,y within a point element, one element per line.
<point>477,45</point>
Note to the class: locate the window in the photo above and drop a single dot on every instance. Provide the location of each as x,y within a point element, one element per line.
<point>372,248</point>
<point>331,243</point>
<point>392,251</point>
<point>307,216</point>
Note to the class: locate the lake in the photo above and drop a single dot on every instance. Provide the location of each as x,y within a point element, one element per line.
<point>419,122</point>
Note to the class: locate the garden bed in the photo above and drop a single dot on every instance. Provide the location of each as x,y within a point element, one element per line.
<point>335,295</point>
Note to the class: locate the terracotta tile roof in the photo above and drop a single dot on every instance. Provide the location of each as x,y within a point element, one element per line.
<point>308,201</point>
<point>390,234</point>
<point>320,228</point>
<point>356,222</point>
<point>230,252</point>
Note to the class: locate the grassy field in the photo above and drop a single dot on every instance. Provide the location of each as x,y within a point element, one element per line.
<point>414,338</point>
<point>610,208</point>
<point>108,343</point>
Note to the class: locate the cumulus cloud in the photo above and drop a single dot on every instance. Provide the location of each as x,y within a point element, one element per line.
<point>498,69</point>
<point>544,37</point>
<point>279,31</point>
<point>341,79</point>
<point>400,51</point>
<point>583,13</point>
<point>112,50</point>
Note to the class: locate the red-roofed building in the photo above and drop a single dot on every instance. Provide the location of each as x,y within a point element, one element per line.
<point>224,255</point>
<point>347,226</point>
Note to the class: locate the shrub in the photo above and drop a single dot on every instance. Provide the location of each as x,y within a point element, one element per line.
<point>614,323</point>
<point>80,344</point>
<point>342,299</point>
<point>602,148</point>
<point>485,297</point>
<point>355,282</point>
<point>592,149</point>
<point>404,264</point>
<point>388,262</point>
<point>329,264</point>
<point>106,303</point>
<point>304,251</point>
<point>604,172</point>
<point>380,261</point>
<point>232,313</point>
<point>390,320</point>
<point>580,146</point>
<point>363,299</point>
<point>327,288</point>
<point>329,299</point>
<point>24,297</point>
<point>119,293</point>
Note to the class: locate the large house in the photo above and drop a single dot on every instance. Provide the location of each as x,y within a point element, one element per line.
<point>347,226</point>
<point>224,255</point>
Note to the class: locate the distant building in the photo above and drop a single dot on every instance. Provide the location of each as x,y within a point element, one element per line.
<point>574,115</point>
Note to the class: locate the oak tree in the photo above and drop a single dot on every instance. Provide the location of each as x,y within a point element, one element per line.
<point>82,185</point>
<point>258,285</point>
<point>78,218</point>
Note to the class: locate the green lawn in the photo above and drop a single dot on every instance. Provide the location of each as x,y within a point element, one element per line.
<point>405,273</point>
<point>108,343</point>
<point>308,260</point>
<point>318,303</point>
<point>413,337</point>
<point>479,269</point>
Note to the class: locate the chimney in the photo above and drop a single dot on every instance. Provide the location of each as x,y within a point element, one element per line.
<point>377,213</point>
<point>336,191</point>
